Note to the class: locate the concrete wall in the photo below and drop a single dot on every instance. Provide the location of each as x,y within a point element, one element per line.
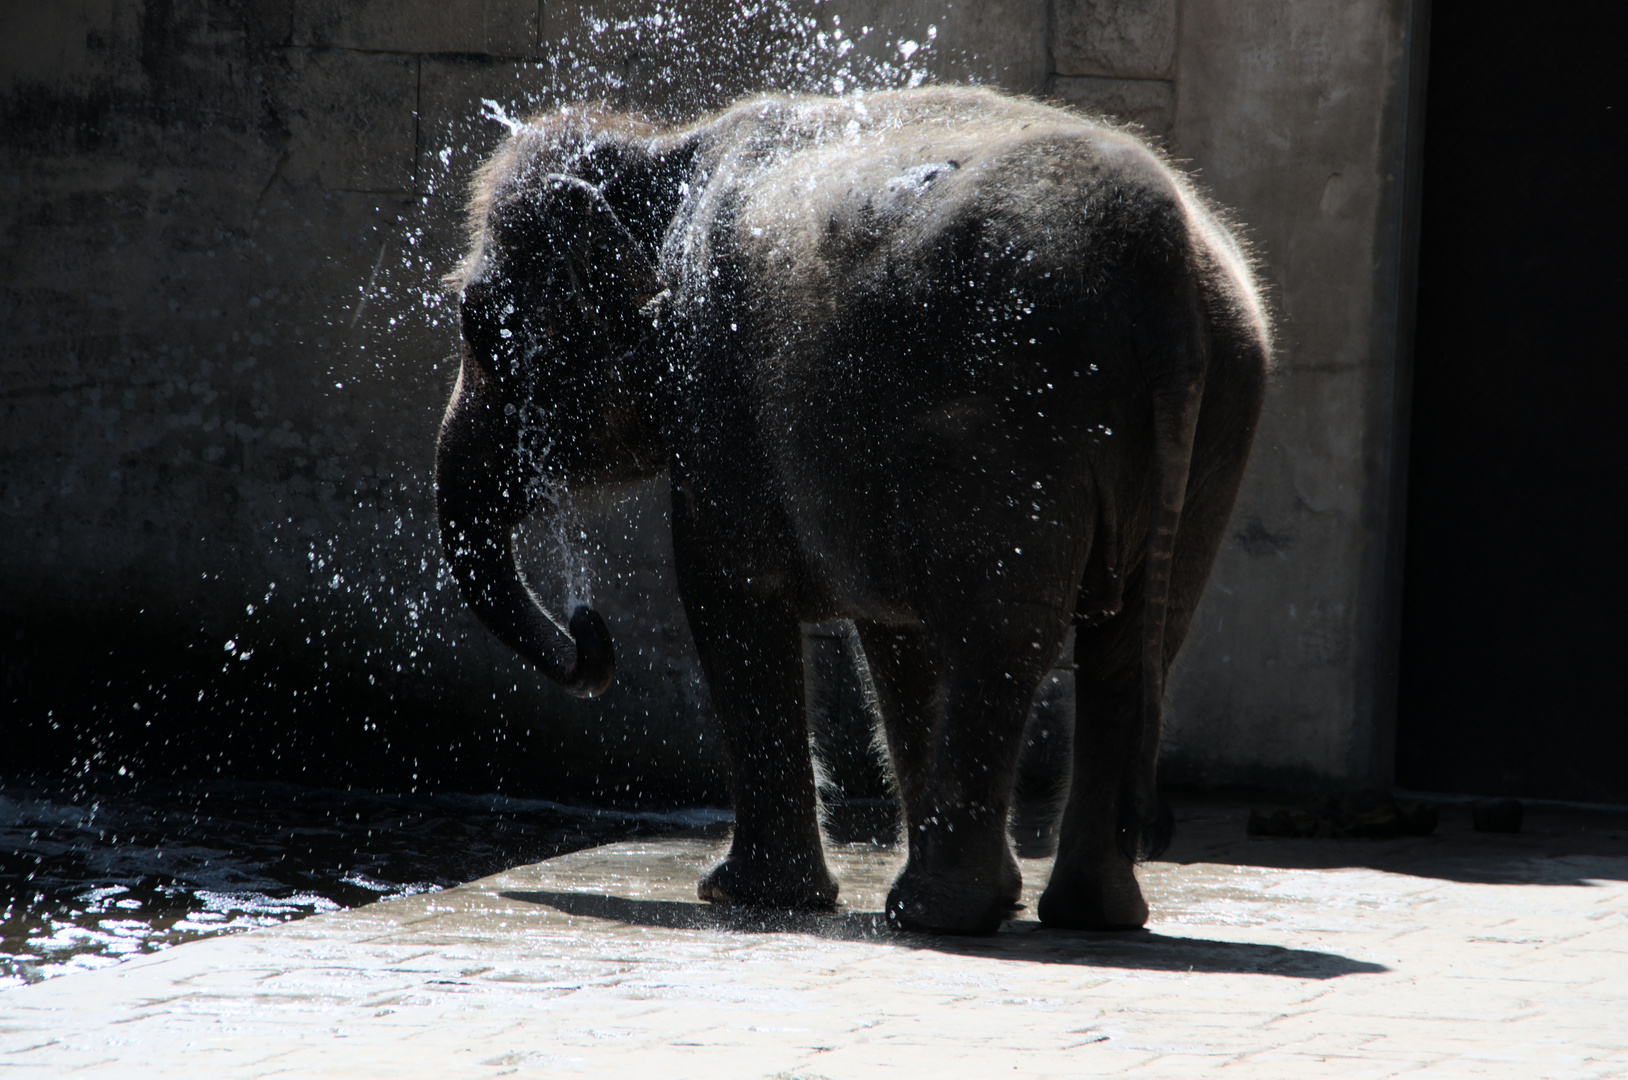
<point>224,356</point>
<point>1297,116</point>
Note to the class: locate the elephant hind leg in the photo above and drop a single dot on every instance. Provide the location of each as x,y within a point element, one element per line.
<point>910,695</point>
<point>1093,881</point>
<point>961,875</point>
<point>910,699</point>
<point>1105,826</point>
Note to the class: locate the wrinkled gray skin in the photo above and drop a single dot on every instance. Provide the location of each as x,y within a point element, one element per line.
<point>960,367</point>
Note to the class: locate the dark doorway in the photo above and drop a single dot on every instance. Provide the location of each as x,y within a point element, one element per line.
<point>1515,590</point>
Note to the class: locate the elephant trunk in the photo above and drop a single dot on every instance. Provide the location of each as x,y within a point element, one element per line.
<point>482,493</point>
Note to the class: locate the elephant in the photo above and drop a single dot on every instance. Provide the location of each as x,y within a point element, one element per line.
<point>965,368</point>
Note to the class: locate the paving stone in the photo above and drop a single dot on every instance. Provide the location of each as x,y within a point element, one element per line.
<point>603,962</point>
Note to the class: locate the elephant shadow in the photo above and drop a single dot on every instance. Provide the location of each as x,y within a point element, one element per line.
<point>1021,941</point>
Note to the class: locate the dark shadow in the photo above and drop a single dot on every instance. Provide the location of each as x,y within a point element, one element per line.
<point>1022,941</point>
<point>1556,846</point>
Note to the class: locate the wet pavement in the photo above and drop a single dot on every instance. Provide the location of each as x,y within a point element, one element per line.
<point>96,870</point>
<point>1459,954</point>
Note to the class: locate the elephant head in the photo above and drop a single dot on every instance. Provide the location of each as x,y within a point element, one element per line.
<point>551,397</point>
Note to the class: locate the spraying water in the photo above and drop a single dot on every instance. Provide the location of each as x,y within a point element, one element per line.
<point>361,603</point>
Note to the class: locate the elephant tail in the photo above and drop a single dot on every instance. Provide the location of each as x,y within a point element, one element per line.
<point>1177,389</point>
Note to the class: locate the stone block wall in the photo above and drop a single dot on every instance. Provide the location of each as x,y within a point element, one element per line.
<point>1117,57</point>
<point>224,353</point>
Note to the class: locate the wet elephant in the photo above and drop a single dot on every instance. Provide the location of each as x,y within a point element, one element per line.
<point>963,368</point>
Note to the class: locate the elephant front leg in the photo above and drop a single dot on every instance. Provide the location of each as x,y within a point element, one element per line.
<point>751,652</point>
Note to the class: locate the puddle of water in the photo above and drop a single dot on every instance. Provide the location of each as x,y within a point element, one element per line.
<point>95,871</point>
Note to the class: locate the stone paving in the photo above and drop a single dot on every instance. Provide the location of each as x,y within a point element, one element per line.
<point>1458,955</point>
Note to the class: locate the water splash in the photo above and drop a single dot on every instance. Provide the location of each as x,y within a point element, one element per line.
<point>357,618</point>
<point>107,873</point>
<point>490,110</point>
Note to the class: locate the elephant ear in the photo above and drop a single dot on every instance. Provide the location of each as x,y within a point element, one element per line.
<point>557,271</point>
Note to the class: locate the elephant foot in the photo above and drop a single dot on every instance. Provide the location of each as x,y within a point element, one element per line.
<point>740,883</point>
<point>924,903</point>
<point>1106,898</point>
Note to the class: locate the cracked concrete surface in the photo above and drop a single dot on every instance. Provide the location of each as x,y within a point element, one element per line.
<point>1457,955</point>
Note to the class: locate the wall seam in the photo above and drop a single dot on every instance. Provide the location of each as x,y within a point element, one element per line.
<point>1117,78</point>
<point>418,117</point>
<point>1049,81</point>
<point>1401,395</point>
<point>1175,72</point>
<point>1391,335</point>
